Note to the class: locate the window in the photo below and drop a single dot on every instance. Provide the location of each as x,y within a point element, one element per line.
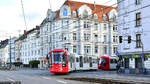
<point>114,27</point>
<point>87,24</point>
<point>96,26</point>
<point>138,40</point>
<point>74,36</point>
<point>96,37</point>
<point>115,50</point>
<point>75,24</point>
<point>87,37</point>
<point>85,14</point>
<point>95,16</point>
<point>105,49</point>
<point>104,17</point>
<point>114,17</point>
<point>115,39</point>
<point>137,2</point>
<point>74,14</point>
<point>105,27</point>
<point>113,61</point>
<point>65,12</point>
<point>126,62</point>
<point>105,38</point>
<point>87,49</point>
<point>138,63</point>
<point>74,49</point>
<point>96,49</point>
<point>138,19</point>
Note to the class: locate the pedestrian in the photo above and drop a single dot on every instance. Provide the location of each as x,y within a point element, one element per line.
<point>118,66</point>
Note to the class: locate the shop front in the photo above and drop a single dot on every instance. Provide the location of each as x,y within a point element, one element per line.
<point>135,63</point>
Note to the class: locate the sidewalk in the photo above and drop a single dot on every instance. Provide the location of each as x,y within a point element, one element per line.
<point>113,77</point>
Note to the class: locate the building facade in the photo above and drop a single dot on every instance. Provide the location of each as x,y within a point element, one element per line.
<point>133,25</point>
<point>11,49</point>
<point>4,52</point>
<point>18,46</point>
<point>81,28</point>
<point>30,49</point>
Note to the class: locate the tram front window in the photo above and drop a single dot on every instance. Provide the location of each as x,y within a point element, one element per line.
<point>58,57</point>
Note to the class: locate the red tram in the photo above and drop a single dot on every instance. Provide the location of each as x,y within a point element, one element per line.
<point>107,63</point>
<point>61,61</point>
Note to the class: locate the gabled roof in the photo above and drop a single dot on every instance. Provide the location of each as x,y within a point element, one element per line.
<point>3,44</point>
<point>74,5</point>
<point>26,33</point>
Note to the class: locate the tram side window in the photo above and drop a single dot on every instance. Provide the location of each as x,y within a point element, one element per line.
<point>64,59</point>
<point>113,61</point>
<point>85,59</point>
<point>77,59</point>
<point>94,60</point>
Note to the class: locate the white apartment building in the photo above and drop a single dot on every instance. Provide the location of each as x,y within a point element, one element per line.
<point>133,23</point>
<point>45,36</point>
<point>30,49</point>
<point>18,46</point>
<point>82,28</point>
<point>4,52</point>
<point>11,49</point>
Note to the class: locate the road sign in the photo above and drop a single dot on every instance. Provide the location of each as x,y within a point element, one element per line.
<point>117,53</point>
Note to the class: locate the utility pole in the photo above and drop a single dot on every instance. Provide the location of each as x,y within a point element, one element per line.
<point>10,67</point>
<point>109,36</point>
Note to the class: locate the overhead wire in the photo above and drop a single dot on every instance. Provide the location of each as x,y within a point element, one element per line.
<point>24,14</point>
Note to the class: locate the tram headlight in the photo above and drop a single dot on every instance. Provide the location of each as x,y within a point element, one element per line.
<point>63,65</point>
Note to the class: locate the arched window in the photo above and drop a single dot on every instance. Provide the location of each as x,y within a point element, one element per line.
<point>95,16</point>
<point>85,14</point>
<point>65,12</point>
<point>74,13</point>
<point>114,17</point>
<point>104,17</point>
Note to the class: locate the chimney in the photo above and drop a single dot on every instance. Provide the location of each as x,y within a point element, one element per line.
<point>37,27</point>
<point>25,32</point>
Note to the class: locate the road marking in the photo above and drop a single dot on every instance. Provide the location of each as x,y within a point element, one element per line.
<point>46,78</point>
<point>61,81</point>
<point>11,79</point>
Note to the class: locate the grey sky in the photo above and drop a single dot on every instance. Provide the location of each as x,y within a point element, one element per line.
<point>11,18</point>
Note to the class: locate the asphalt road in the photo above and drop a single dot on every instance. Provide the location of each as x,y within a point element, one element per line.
<point>28,76</point>
<point>35,76</point>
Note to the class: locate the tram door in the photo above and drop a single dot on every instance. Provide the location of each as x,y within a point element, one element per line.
<point>90,61</point>
<point>81,61</point>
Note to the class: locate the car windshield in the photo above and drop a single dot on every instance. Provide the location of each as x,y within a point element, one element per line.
<point>57,57</point>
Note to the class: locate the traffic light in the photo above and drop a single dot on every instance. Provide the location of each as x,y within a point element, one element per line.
<point>120,39</point>
<point>129,39</point>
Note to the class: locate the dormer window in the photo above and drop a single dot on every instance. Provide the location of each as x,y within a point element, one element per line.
<point>73,13</point>
<point>114,17</point>
<point>104,17</point>
<point>85,14</point>
<point>102,9</point>
<point>95,16</point>
<point>65,12</point>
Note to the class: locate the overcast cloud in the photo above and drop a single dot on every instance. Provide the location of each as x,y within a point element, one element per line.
<point>11,17</point>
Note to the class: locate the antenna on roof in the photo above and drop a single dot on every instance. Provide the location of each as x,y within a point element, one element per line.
<point>24,15</point>
<point>50,7</point>
<point>94,5</point>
